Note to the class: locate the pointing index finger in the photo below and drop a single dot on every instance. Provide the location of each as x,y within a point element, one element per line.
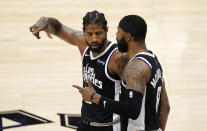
<point>77,87</point>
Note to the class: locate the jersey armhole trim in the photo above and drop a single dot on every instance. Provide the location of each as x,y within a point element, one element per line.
<point>146,61</point>
<point>82,56</point>
<point>106,67</point>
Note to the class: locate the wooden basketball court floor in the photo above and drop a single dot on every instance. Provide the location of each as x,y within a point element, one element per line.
<point>36,75</point>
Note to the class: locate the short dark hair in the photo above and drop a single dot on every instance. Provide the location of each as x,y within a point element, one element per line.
<point>135,25</point>
<point>94,17</point>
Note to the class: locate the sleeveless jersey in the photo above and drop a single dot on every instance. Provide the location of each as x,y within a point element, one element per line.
<point>148,118</point>
<point>96,69</point>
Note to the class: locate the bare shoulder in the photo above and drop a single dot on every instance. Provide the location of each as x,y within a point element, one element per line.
<point>119,57</point>
<point>136,74</point>
<point>117,62</point>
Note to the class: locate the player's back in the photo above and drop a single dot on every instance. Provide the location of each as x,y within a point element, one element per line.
<point>148,118</point>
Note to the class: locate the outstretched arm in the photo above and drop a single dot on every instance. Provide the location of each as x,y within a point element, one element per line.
<point>52,26</point>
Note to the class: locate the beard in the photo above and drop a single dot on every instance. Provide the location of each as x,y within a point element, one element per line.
<point>99,46</point>
<point>122,45</point>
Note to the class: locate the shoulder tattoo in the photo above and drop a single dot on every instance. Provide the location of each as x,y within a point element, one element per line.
<point>135,75</point>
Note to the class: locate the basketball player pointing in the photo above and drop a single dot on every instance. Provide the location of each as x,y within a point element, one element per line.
<point>102,63</point>
<point>143,97</point>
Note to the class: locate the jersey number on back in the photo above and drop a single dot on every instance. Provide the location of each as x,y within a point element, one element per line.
<point>158,98</point>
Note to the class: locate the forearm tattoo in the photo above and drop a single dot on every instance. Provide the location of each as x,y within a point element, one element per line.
<point>54,25</point>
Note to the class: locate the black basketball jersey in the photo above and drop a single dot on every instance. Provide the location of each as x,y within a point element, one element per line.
<point>96,68</point>
<point>148,118</point>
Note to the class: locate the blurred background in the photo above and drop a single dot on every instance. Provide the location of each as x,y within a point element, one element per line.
<point>37,75</point>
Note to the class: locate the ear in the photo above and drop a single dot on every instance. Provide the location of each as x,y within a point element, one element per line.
<point>128,37</point>
<point>107,28</point>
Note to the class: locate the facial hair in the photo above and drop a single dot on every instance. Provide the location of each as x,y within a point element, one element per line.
<point>96,50</point>
<point>122,45</point>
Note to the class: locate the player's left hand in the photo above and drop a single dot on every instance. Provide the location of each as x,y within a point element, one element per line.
<point>86,92</point>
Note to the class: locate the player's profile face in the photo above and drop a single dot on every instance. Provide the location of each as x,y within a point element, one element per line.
<point>95,37</point>
<point>121,41</point>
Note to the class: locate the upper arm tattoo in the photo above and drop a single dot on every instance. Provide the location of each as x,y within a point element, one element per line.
<point>74,37</point>
<point>73,32</point>
<point>136,75</point>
